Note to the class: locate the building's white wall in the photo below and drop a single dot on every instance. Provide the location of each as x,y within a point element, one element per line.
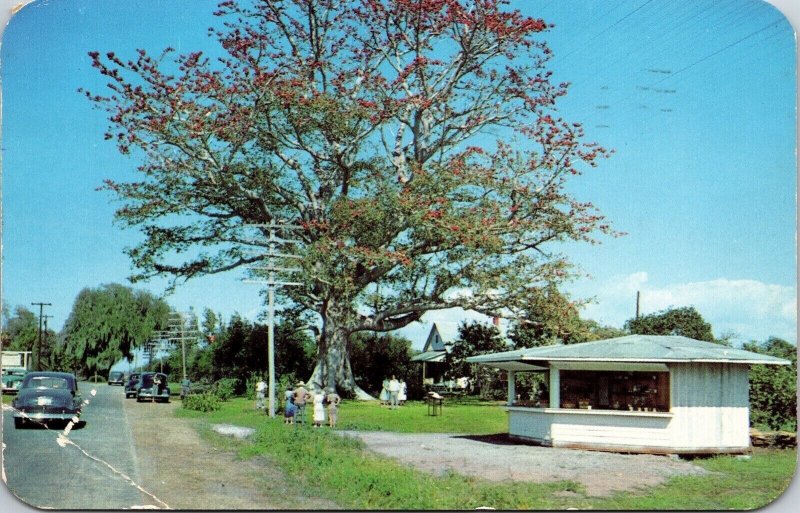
<point>710,404</point>
<point>529,424</point>
<point>611,430</point>
<point>603,429</point>
<point>709,412</point>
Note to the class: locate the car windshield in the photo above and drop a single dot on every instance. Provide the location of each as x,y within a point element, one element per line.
<point>115,375</point>
<point>48,382</point>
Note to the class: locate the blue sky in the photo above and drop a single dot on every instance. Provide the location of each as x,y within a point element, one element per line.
<point>696,98</point>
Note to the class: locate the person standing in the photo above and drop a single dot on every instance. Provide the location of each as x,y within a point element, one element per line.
<point>394,392</point>
<point>186,385</point>
<point>384,397</point>
<point>403,394</point>
<point>319,407</point>
<point>289,411</point>
<point>301,395</point>
<point>333,401</point>
<point>261,393</point>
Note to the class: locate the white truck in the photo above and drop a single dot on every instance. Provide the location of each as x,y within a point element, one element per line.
<point>13,367</point>
<point>16,359</point>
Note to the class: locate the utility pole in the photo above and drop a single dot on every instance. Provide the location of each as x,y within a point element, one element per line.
<point>183,327</point>
<point>44,336</point>
<point>38,348</point>
<point>272,282</point>
<point>637,304</point>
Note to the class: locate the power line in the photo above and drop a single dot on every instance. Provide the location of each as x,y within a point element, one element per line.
<point>606,29</point>
<point>697,62</point>
<point>653,49</point>
<point>709,56</point>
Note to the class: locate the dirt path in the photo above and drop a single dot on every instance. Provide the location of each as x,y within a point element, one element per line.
<point>184,472</point>
<point>495,458</point>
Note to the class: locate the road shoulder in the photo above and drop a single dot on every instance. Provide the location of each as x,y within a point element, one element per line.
<point>187,472</point>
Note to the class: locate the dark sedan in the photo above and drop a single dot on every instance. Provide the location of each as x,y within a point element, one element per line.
<point>153,387</point>
<point>116,378</point>
<point>46,396</point>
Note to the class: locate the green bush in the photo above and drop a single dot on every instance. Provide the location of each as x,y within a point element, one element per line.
<point>224,388</point>
<point>773,390</point>
<point>205,402</point>
<point>285,383</point>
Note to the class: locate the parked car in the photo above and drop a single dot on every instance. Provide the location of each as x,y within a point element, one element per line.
<point>153,387</point>
<point>46,396</point>
<point>116,378</point>
<point>12,378</point>
<point>132,386</point>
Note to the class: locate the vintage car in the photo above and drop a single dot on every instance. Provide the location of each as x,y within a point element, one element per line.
<point>153,387</point>
<point>132,386</point>
<point>46,396</point>
<point>116,378</point>
<point>12,378</point>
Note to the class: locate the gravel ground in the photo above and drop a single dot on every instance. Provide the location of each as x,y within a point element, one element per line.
<point>496,458</point>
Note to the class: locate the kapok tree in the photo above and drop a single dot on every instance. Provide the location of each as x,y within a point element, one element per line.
<point>414,142</point>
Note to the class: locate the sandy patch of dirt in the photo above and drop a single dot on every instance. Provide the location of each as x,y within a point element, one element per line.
<point>185,472</point>
<point>496,458</point>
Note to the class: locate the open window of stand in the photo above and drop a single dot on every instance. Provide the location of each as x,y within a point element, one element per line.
<point>615,390</point>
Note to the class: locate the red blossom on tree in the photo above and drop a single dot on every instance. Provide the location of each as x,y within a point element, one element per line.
<point>413,141</point>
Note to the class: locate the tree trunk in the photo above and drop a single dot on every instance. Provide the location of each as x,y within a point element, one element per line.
<point>333,361</point>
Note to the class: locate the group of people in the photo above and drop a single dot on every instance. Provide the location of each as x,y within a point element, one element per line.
<point>297,399</point>
<point>393,393</point>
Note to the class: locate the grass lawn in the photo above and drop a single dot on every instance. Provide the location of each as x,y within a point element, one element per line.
<point>344,471</point>
<point>459,415</point>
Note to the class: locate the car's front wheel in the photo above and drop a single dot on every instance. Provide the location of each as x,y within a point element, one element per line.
<point>19,423</point>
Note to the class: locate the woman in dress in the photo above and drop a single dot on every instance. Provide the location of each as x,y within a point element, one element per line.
<point>402,395</point>
<point>333,401</point>
<point>289,410</point>
<point>319,407</point>
<point>384,397</point>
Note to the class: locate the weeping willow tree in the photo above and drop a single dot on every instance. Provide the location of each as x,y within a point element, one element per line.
<point>108,323</point>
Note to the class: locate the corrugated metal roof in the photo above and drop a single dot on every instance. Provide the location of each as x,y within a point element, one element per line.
<point>636,348</point>
<point>429,356</point>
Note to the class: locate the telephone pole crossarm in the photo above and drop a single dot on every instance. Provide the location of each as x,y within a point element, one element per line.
<point>271,253</point>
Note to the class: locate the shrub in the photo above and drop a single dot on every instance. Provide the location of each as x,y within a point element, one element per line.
<point>286,382</point>
<point>205,402</point>
<point>224,388</point>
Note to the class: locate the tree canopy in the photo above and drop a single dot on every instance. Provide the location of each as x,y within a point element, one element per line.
<point>107,324</point>
<point>376,357</point>
<point>415,144</point>
<point>684,321</point>
<point>20,329</point>
<point>551,317</point>
<point>474,338</point>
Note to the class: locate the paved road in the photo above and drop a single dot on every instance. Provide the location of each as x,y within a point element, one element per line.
<point>98,472</point>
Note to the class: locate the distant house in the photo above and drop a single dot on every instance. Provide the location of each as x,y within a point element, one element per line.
<point>441,336</point>
<point>640,393</point>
